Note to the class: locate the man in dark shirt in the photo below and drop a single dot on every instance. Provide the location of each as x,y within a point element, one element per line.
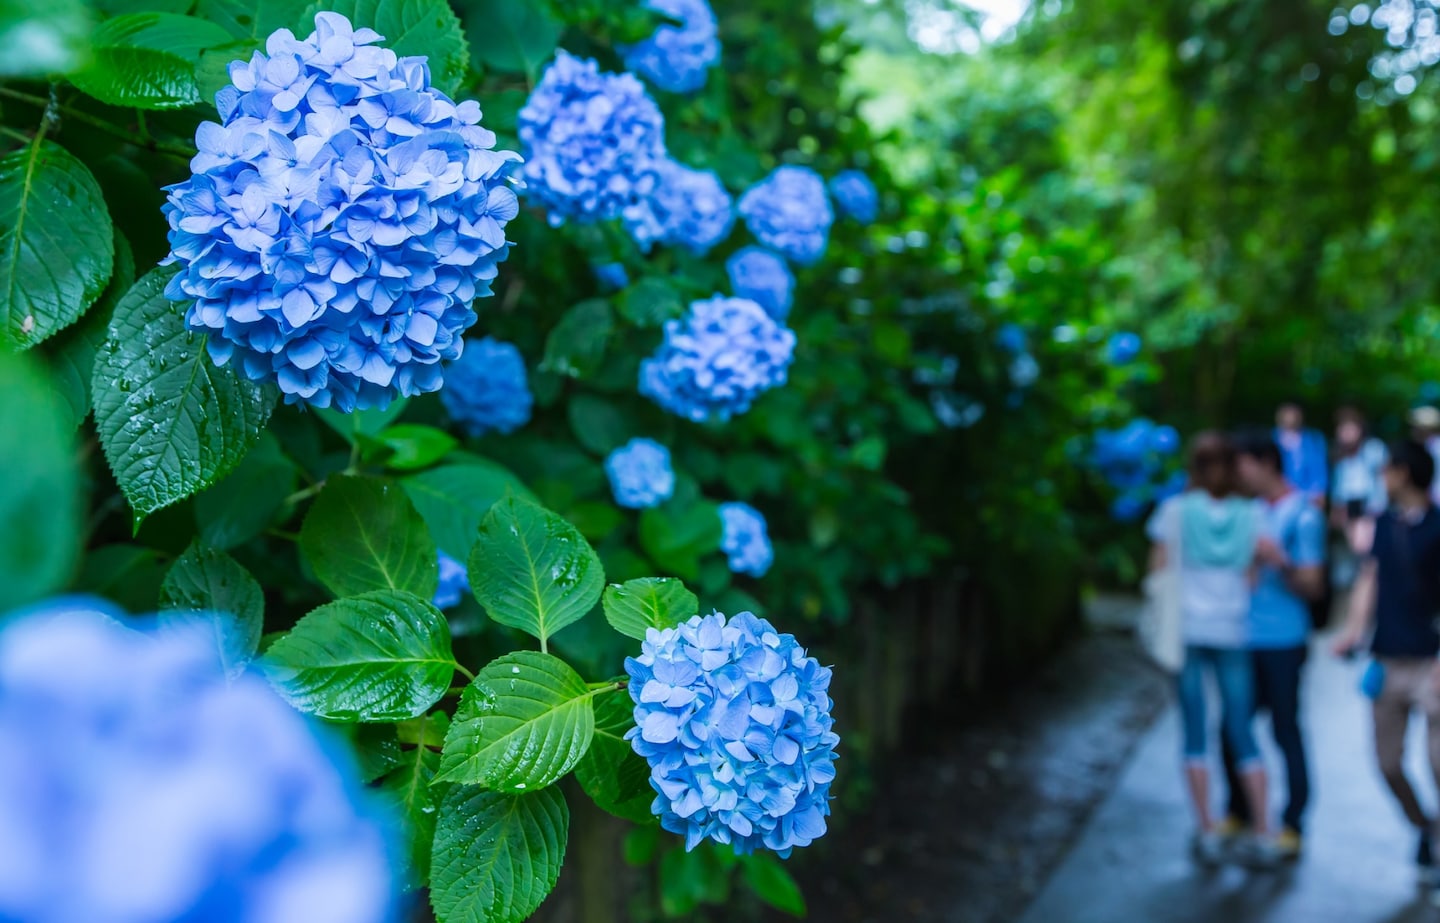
<point>1398,591</point>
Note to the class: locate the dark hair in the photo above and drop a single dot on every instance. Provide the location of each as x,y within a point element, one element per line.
<point>1212,463</point>
<point>1259,445</point>
<point>1416,460</point>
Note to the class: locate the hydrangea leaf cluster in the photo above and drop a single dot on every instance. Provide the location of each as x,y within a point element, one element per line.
<point>1133,460</point>
<point>745,540</point>
<point>687,208</point>
<point>640,474</point>
<point>855,196</point>
<point>764,278</point>
<point>790,213</point>
<point>487,389</point>
<point>735,722</point>
<point>138,782</point>
<point>678,58</point>
<point>454,583</point>
<point>1122,348</point>
<point>593,142</point>
<point>338,220</point>
<point>717,360</point>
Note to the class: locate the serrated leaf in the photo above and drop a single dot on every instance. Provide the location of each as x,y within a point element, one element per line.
<point>611,772</point>
<point>147,60</point>
<point>170,420</point>
<point>56,243</point>
<point>364,534</point>
<point>772,883</point>
<point>649,602</point>
<point>521,725</point>
<point>453,499</point>
<point>254,20</point>
<point>650,302</point>
<point>408,788</point>
<point>72,353</point>
<point>40,39</point>
<point>598,425</point>
<point>508,36</point>
<point>532,570</point>
<point>40,491</point>
<point>242,505</point>
<point>208,585</point>
<point>427,28</point>
<point>496,856</point>
<point>377,749</point>
<point>577,342</point>
<point>382,656</point>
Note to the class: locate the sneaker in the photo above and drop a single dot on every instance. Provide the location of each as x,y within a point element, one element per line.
<point>1231,828</point>
<point>1258,852</point>
<point>1288,844</point>
<point>1207,847</point>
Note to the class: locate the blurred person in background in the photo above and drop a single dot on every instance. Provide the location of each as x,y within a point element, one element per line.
<point>1307,467</point>
<point>1425,426</point>
<point>1357,489</point>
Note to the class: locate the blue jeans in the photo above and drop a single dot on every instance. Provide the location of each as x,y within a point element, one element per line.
<point>1235,675</point>
<point>1277,689</point>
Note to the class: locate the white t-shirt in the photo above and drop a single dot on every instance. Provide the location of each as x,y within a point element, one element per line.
<point>1214,601</point>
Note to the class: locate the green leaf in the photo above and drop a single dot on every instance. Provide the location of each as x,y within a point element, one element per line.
<point>170,420</point>
<point>244,504</point>
<point>72,353</point>
<point>611,772</point>
<point>497,856</point>
<point>415,446</point>
<point>212,71</point>
<point>364,534</point>
<point>576,344</point>
<point>254,20</point>
<point>598,425</point>
<point>532,570</point>
<point>40,491</point>
<point>509,36</point>
<point>676,535</point>
<point>147,60</point>
<point>377,749</point>
<point>361,422</point>
<point>429,730</point>
<point>453,499</point>
<point>649,602</point>
<point>521,725</point>
<point>772,883</point>
<point>650,302</point>
<point>41,39</point>
<point>57,245</point>
<point>408,789</point>
<point>424,28</point>
<point>382,656</point>
<point>209,584</point>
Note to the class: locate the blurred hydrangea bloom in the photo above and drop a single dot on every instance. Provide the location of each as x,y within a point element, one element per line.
<point>735,722</point>
<point>1122,348</point>
<point>592,142</point>
<point>1165,439</point>
<point>955,411</point>
<point>688,208</point>
<point>764,278</point>
<point>1012,339</point>
<point>486,388</point>
<point>677,58</point>
<point>454,583</point>
<point>1024,371</point>
<point>640,474</point>
<point>789,212</point>
<point>339,220</point>
<point>855,195</point>
<point>1132,460</point>
<point>745,539</point>
<point>612,276</point>
<point>138,783</point>
<point>1129,506</point>
<point>716,360</point>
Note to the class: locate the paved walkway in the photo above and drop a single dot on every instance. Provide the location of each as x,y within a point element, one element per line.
<point>1132,863</point>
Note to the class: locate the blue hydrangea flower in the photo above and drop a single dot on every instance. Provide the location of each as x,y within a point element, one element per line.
<point>487,389</point>
<point>1122,348</point>
<point>1012,339</point>
<point>612,276</point>
<point>789,212</point>
<point>1175,484</point>
<point>955,411</point>
<point>1129,506</point>
<point>734,719</point>
<point>640,474</point>
<point>1165,439</point>
<point>138,782</point>
<point>339,220</point>
<point>745,539</point>
<point>688,208</point>
<point>592,142</point>
<point>856,196</point>
<point>1024,371</point>
<point>454,583</point>
<point>677,58</point>
<point>764,278</point>
<point>717,360</point>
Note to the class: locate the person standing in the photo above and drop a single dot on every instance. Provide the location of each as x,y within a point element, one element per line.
<point>1303,451</point>
<point>1357,490</point>
<point>1398,593</point>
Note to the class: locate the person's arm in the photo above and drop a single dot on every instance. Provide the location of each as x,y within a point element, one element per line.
<point>1362,611</point>
<point>1304,574</point>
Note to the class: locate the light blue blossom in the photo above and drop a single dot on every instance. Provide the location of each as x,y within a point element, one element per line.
<point>745,540</point>
<point>640,474</point>
<point>139,783</point>
<point>855,196</point>
<point>677,58</point>
<point>592,142</point>
<point>1165,439</point>
<point>764,278</point>
<point>687,208</point>
<point>1129,506</point>
<point>1012,339</point>
<point>339,221</point>
<point>717,360</point>
<point>734,719</point>
<point>789,212</point>
<point>1122,348</point>
<point>454,583</point>
<point>612,276</point>
<point>487,389</point>
<point>955,411</point>
<point>1024,371</point>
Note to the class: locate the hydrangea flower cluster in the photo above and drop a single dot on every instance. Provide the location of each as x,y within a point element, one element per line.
<point>1024,371</point>
<point>592,142</point>
<point>789,212</point>
<point>138,782</point>
<point>745,539</point>
<point>955,411</point>
<point>1133,460</point>
<point>764,278</point>
<point>640,474</point>
<point>454,582</point>
<point>1012,339</point>
<point>688,208</point>
<point>855,196</point>
<point>734,719</point>
<point>716,360</point>
<point>1122,348</point>
<point>487,389</point>
<point>611,276</point>
<point>339,220</point>
<point>678,58</point>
